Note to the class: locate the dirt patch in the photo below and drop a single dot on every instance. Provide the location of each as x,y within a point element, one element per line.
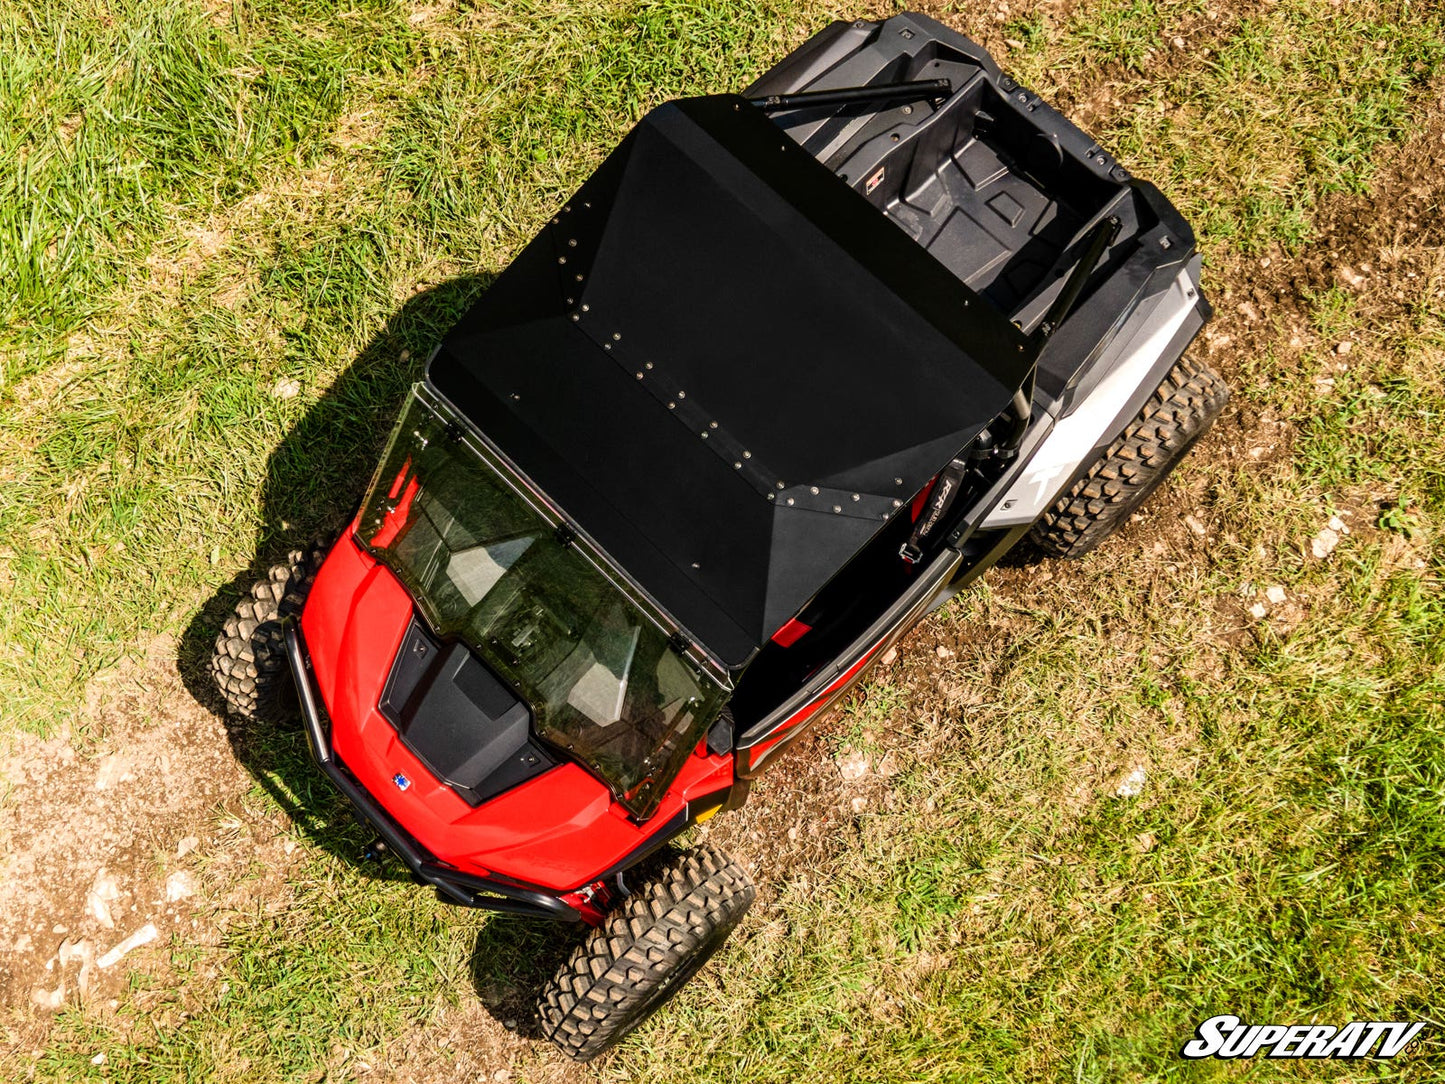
<point>109,854</point>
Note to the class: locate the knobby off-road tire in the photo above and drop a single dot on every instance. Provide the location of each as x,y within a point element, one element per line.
<point>1121,479</point>
<point>249,661</point>
<point>633,963</point>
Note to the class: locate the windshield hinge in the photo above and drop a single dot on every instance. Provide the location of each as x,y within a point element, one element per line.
<point>679,643</point>
<point>565,535</point>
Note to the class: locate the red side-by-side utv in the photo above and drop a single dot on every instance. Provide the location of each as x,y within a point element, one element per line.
<point>787,372</point>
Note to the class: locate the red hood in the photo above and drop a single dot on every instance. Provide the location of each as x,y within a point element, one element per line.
<point>559,830</point>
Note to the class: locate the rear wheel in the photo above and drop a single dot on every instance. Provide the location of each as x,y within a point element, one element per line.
<point>249,660</point>
<point>631,965</point>
<point>1183,406</point>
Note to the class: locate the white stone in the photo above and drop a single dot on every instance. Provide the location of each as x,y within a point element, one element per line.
<point>852,766</point>
<point>286,388</point>
<point>103,892</point>
<point>143,936</point>
<point>1324,543</point>
<point>1275,594</point>
<point>1133,784</point>
<point>179,885</point>
<point>186,846</point>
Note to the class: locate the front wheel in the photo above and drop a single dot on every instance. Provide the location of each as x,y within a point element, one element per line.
<point>631,965</point>
<point>1184,405</point>
<point>248,664</point>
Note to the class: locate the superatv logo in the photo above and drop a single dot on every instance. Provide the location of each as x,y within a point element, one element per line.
<point>1230,1037</point>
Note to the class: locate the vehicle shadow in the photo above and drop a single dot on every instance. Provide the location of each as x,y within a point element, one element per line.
<point>314,483</point>
<point>512,960</point>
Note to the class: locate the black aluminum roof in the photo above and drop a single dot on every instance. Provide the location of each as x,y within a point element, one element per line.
<point>728,368</point>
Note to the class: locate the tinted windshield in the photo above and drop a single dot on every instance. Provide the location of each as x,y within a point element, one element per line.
<point>487,566</point>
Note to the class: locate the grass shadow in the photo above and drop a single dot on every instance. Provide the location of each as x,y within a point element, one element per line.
<point>510,963</point>
<point>315,479</point>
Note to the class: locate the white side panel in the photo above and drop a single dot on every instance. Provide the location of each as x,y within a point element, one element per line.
<point>1075,436</point>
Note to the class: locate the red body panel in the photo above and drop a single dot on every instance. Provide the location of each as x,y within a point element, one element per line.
<point>558,831</point>
<point>791,633</point>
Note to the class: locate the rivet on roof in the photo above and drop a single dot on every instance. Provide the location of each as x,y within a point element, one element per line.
<point>682,395</point>
<point>813,490</point>
<point>576,317</point>
<point>837,508</point>
<point>703,434</point>
<point>712,425</point>
<point>571,242</point>
<point>747,454</point>
<point>856,497</point>
<point>561,259</point>
<point>738,465</point>
<point>898,481</point>
<point>639,376</point>
<point>780,484</point>
<point>897,504</point>
<point>617,336</point>
<point>647,365</point>
<point>671,406</point>
<point>790,502</point>
<point>586,307</point>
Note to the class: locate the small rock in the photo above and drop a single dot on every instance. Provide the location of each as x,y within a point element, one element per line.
<point>890,656</point>
<point>1132,785</point>
<point>1275,594</point>
<point>24,943</point>
<point>1350,276</point>
<point>943,652</point>
<point>888,766</point>
<point>859,804</point>
<point>502,1075</point>
<point>1013,43</point>
<point>1248,311</point>
<point>1324,543</point>
<point>286,388</point>
<point>1195,525</point>
<point>1178,43</point>
<point>186,846</point>
<point>1258,610</point>
<point>49,1000</point>
<point>1144,842</point>
<point>99,1059</point>
<point>179,885</point>
<point>75,951</point>
<point>1256,452</point>
<point>793,833</point>
<point>143,936</point>
<point>1344,347</point>
<point>1337,524</point>
<point>852,766</point>
<point>103,892</point>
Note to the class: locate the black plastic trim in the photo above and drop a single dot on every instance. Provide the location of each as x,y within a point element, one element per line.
<point>466,889</point>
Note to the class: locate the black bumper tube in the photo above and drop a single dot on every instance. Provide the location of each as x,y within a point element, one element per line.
<point>466,889</point>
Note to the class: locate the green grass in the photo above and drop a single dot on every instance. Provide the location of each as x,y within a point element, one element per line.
<point>199,202</point>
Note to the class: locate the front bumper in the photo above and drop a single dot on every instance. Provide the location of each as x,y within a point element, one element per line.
<point>467,889</point>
